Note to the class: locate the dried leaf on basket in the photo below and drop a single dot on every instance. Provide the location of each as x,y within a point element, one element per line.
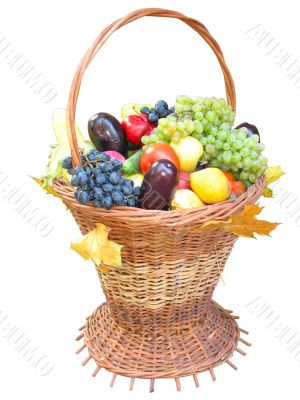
<point>244,224</point>
<point>49,189</point>
<point>97,247</point>
<point>272,174</point>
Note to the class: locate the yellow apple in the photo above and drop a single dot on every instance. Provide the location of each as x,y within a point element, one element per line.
<point>184,199</point>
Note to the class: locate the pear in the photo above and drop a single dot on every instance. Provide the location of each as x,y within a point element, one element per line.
<point>210,185</point>
<point>188,150</point>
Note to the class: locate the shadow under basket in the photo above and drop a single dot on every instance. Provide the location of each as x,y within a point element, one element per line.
<point>159,319</point>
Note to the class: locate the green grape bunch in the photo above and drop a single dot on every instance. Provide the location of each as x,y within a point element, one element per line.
<point>210,120</point>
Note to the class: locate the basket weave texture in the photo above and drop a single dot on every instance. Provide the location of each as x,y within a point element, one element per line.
<point>170,269</point>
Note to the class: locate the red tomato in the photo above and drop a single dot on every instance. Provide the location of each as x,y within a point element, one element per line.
<point>229,176</point>
<point>237,188</point>
<point>158,151</point>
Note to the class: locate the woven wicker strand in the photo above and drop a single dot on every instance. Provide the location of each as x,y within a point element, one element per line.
<point>159,319</point>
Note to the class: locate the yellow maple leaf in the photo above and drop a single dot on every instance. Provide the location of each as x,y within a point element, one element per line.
<point>244,224</point>
<point>96,246</point>
<point>49,189</point>
<point>272,174</point>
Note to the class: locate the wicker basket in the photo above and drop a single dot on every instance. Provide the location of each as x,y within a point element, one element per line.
<point>159,319</point>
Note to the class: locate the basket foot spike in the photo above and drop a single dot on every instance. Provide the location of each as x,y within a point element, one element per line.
<point>212,374</point>
<point>231,364</point>
<point>113,379</point>
<point>95,373</point>
<point>244,331</point>
<point>195,376</point>
<point>131,383</point>
<point>81,348</point>
<point>79,337</point>
<point>245,342</point>
<point>84,362</point>
<point>242,352</point>
<point>178,385</point>
<point>151,388</point>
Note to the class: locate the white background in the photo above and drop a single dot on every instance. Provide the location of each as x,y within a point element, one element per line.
<point>47,290</point>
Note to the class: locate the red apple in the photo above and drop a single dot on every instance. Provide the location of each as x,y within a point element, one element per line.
<point>115,155</point>
<point>184,180</point>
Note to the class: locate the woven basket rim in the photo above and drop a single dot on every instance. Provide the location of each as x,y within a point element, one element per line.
<point>66,191</point>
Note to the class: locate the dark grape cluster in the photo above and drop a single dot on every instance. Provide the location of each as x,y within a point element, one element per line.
<point>100,180</point>
<point>160,110</point>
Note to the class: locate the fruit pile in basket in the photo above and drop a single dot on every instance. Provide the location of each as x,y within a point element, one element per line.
<point>161,157</point>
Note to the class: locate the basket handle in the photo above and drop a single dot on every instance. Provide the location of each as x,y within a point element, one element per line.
<point>102,38</point>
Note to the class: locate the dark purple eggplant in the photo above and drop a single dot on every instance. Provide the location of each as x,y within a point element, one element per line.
<point>159,186</point>
<point>106,133</point>
<point>251,129</point>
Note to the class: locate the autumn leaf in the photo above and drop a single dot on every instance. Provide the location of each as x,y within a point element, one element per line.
<point>244,224</point>
<point>49,189</point>
<point>97,247</point>
<point>272,174</point>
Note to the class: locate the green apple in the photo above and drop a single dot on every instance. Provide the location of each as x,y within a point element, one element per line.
<point>188,150</point>
<point>132,109</point>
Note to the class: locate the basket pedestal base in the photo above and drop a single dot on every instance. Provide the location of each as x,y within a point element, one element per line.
<point>144,355</point>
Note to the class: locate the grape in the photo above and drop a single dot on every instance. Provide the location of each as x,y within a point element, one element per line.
<point>114,178</point>
<point>75,181</point>
<point>153,118</point>
<point>104,157</point>
<point>128,182</point>
<point>67,163</point>
<point>107,187</point>
<point>107,167</point>
<point>71,171</point>
<point>78,170</point>
<point>83,178</point>
<point>117,164</point>
<point>136,191</point>
<point>227,156</point>
<point>98,193</point>
<point>183,100</point>
<point>97,171</point>
<point>101,182</point>
<point>210,148</point>
<point>162,103</point>
<point>107,202</point>
<point>77,193</point>
<point>83,197</point>
<point>91,156</point>
<point>117,197</point>
<point>131,202</point>
<point>100,179</point>
<point>91,183</point>
<point>145,110</point>
<point>160,111</point>
<point>98,203</point>
<point>127,190</point>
